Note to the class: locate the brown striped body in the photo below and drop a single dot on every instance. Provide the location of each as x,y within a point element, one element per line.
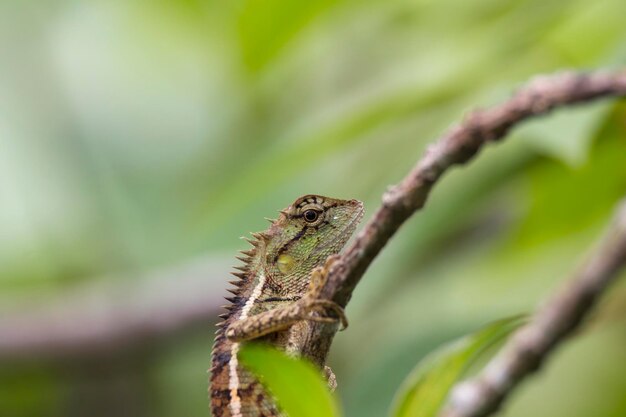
<point>254,400</point>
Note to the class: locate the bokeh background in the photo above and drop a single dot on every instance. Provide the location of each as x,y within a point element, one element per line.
<point>140,139</point>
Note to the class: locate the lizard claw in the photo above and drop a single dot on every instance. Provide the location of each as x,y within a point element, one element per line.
<point>323,306</point>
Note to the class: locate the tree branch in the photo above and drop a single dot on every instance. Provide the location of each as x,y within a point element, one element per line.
<point>115,315</point>
<point>558,318</point>
<point>457,146</point>
<point>121,320</point>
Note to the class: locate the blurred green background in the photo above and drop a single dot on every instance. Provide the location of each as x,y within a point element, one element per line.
<point>140,139</point>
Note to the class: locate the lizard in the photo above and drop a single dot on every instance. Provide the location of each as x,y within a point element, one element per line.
<point>276,296</point>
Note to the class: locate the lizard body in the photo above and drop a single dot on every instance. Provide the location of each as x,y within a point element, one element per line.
<point>276,296</point>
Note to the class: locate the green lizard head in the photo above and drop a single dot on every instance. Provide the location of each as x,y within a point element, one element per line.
<point>307,232</point>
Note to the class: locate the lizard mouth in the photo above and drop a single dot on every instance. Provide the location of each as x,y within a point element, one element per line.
<point>344,234</point>
<point>357,218</point>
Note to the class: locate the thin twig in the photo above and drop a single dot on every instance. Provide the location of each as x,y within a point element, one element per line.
<point>457,146</point>
<point>552,323</point>
<point>114,315</point>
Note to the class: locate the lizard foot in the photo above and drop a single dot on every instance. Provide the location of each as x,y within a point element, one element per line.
<point>318,310</point>
<point>331,378</point>
<point>319,276</point>
<point>312,301</point>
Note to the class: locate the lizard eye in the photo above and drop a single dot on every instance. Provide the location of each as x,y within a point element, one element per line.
<point>310,216</point>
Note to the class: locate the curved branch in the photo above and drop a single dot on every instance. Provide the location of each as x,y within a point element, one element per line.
<point>457,146</point>
<point>558,318</point>
<point>94,331</point>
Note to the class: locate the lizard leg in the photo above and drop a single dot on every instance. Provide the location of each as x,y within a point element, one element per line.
<point>282,317</point>
<point>319,277</point>
<point>331,378</point>
<point>309,307</point>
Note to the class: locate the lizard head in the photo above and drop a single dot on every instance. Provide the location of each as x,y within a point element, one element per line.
<point>307,232</point>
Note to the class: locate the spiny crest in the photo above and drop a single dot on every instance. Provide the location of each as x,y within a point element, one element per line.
<point>246,259</point>
<point>248,252</point>
<point>261,236</point>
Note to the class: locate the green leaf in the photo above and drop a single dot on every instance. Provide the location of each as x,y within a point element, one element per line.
<point>567,134</point>
<point>297,385</point>
<point>426,388</point>
<point>265,27</point>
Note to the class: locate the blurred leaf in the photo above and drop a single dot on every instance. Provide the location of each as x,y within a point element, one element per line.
<point>265,27</point>
<point>297,385</point>
<point>565,201</point>
<point>298,153</point>
<point>425,389</point>
<point>567,134</point>
<point>589,31</point>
